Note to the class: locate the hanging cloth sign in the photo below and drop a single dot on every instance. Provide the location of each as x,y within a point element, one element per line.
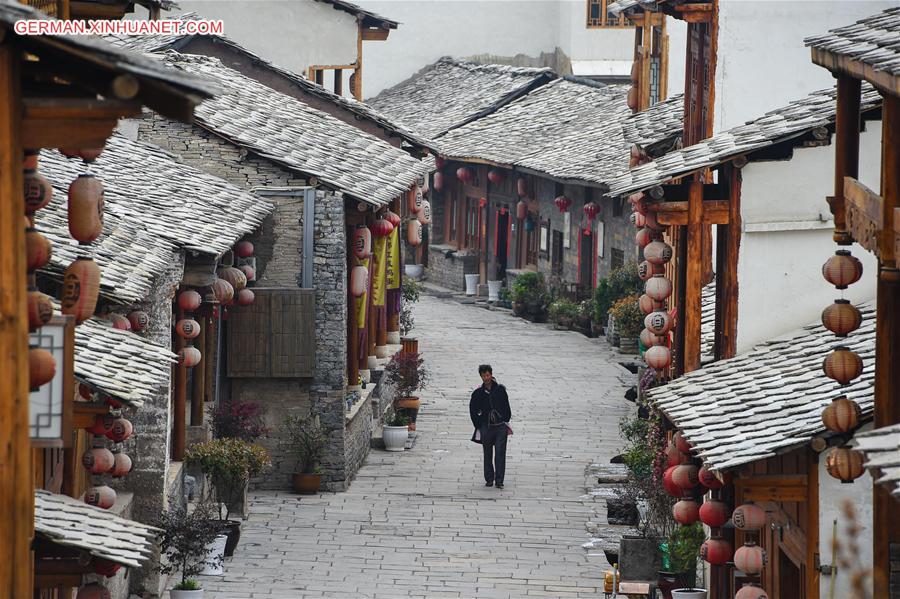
<point>393,261</point>
<point>380,275</point>
<point>362,302</point>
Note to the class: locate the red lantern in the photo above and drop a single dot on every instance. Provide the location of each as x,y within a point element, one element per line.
<point>93,590</point>
<point>85,392</point>
<point>106,567</point>
<point>464,174</point>
<point>81,286</point>
<point>716,551</point>
<point>359,281</point>
<point>521,209</point>
<point>138,319</point>
<point>38,191</point>
<point>750,558</point>
<point>673,456</point>
<point>591,210</point>
<point>648,304</point>
<point>439,162</point>
<point>708,479</point>
<point>248,272</point>
<point>112,402</point>
<point>120,322</point>
<point>37,249</point>
<point>842,365</point>
<point>841,415</point>
<point>189,357</point>
<point>669,484</point>
<point>189,300</point>
<point>495,177</point>
<point>844,464</point>
<point>641,206</point>
<point>645,236</point>
<point>413,199</point>
<point>90,154</point>
<point>681,443</point>
<point>750,591</point>
<point>632,98</point>
<point>243,249</point>
<point>748,516</point>
<point>223,291</point>
<point>658,287</point>
<point>842,269</point>
<point>714,513</point>
<point>685,476</point>
<point>187,328</point>
<point>637,220</point>
<point>381,228</point>
<point>414,232</point>
<point>686,512</point>
<point>86,208</point>
<point>658,357</point>
<point>122,465</point>
<point>102,497</point>
<point>648,339</point>
<point>68,152</point>
<point>40,309</point>
<point>362,242</point>
<point>121,430</point>
<point>41,367</point>
<point>424,214</point>
<point>562,203</point>
<point>650,219</point>
<point>102,425</point>
<point>98,460</point>
<point>658,252</point>
<point>841,318</point>
<point>394,218</point>
<point>439,181</point>
<point>245,297</point>
<point>658,322</point>
<point>234,276</point>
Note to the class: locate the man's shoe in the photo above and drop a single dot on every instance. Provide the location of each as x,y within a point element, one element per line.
<point>499,485</point>
<point>490,483</point>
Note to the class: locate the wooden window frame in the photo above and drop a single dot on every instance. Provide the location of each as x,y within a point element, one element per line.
<point>471,230</point>
<point>604,22</point>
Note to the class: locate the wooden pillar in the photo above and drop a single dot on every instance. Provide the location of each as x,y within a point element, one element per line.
<point>178,403</point>
<point>693,280</point>
<point>211,355</point>
<point>678,280</point>
<point>886,525</point>
<point>16,481</point>
<point>198,382</point>
<point>728,247</point>
<point>339,82</point>
<point>846,152</point>
<point>358,72</point>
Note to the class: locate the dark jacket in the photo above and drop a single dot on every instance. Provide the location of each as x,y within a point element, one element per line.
<point>482,400</point>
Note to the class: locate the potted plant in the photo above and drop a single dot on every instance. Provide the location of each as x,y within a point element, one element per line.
<point>409,290</point>
<point>602,304</point>
<point>304,438</point>
<point>395,432</point>
<point>629,321</point>
<point>584,316</point>
<point>530,296</point>
<point>563,312</point>
<point>406,372</point>
<point>680,560</point>
<point>184,541</point>
<point>505,298</point>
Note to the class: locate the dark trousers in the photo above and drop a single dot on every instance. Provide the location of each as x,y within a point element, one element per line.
<point>493,440</point>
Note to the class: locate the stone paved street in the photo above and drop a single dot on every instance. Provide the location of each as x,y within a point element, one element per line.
<point>421,523</point>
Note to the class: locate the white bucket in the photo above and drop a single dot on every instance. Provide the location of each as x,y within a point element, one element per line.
<point>413,271</point>
<point>688,594</point>
<point>213,560</point>
<point>471,284</point>
<point>494,290</point>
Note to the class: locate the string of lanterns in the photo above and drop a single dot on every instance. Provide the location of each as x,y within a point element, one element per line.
<point>99,460</point>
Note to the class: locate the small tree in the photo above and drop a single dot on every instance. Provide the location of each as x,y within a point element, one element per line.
<point>239,420</point>
<point>629,319</point>
<point>410,293</point>
<point>230,464</point>
<point>184,542</point>
<point>407,372</point>
<point>304,438</point>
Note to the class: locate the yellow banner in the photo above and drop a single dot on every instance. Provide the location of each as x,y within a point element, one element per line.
<point>380,271</point>
<point>393,262</point>
<point>363,300</point>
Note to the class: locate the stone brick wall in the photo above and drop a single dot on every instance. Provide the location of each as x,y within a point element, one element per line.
<point>619,235</point>
<point>357,436</point>
<point>448,267</point>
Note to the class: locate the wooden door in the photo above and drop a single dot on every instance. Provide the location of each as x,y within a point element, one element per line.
<point>586,259</point>
<point>501,242</point>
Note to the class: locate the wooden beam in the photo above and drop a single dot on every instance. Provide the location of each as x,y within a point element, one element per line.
<point>728,251</point>
<point>863,218</point>
<point>676,213</point>
<point>681,192</point>
<point>884,80</point>
<point>16,482</point>
<point>812,523</point>
<point>846,151</point>
<point>52,581</point>
<point>759,488</point>
<point>84,413</point>
<point>693,283</point>
<point>378,35</point>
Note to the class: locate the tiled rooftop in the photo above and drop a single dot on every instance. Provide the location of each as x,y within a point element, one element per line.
<point>873,41</point>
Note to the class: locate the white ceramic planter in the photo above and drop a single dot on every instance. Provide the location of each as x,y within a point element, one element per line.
<point>413,271</point>
<point>471,284</point>
<point>395,437</point>
<point>688,594</point>
<point>214,564</point>
<point>494,290</point>
<point>186,594</point>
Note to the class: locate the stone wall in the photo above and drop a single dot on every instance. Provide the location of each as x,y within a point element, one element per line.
<point>447,267</point>
<point>357,436</point>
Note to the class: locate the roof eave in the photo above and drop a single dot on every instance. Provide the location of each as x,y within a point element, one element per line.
<point>844,65</point>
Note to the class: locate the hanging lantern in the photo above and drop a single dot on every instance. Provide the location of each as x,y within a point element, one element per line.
<point>685,476</point>
<point>464,174</point>
<point>245,297</point>
<point>681,443</point>
<point>69,152</point>
<point>98,460</point>
<point>189,300</point>
<point>521,187</point>
<point>562,203</point>
<point>637,219</point>
<point>359,281</point>
<point>106,567</point>
<point>122,465</point>
<point>748,516</point>
<point>85,392</point>
<point>86,208</point>
<point>414,199</point>
<point>414,232</point>
<point>658,357</point>
<point>673,456</point>
<point>187,328</point>
<point>41,367</point>
<point>716,551</point>
<point>714,513</point>
<point>424,214</point>
<point>841,318</point>
<point>647,304</point>
<point>842,365</point>
<point>38,191</point>
<point>635,197</point>
<point>37,249</point>
<point>844,464</point>
<point>438,181</point>
<point>649,339</point>
<point>645,236</point>
<point>234,276</point>
<point>102,424</point>
<point>188,357</point>
<point>658,252</point>
<point>842,269</point>
<point>394,218</point>
<point>669,484</point>
<point>102,497</point>
<point>90,154</point>
<point>93,591</point>
<point>223,291</point>
<point>362,207</point>
<point>635,153</point>
<point>591,210</point>
<point>362,242</point>
<point>121,430</point>
<point>440,162</point>
<point>40,309</point>
<point>641,205</point>
<point>751,591</point>
<point>81,286</point>
<point>138,319</point>
<point>248,272</point>
<point>842,415</point>
<point>708,479</point>
<point>521,209</point>
<point>243,249</point>
<point>632,99</point>
<point>382,228</point>
<point>495,177</point>
<point>111,401</point>
<point>658,322</point>
<point>750,558</point>
<point>686,512</point>
<point>119,322</point>
<point>658,287</point>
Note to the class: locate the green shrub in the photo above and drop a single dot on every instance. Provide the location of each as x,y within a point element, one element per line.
<point>622,282</point>
<point>230,464</point>
<point>563,308</point>
<point>304,438</point>
<point>531,290</point>
<point>684,547</point>
<point>628,315</point>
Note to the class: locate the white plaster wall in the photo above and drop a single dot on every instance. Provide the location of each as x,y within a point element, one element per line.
<point>294,35</point>
<point>779,272</point>
<point>581,43</point>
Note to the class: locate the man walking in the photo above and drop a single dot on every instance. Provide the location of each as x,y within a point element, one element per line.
<point>489,409</point>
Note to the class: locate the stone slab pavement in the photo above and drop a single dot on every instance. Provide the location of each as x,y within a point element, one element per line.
<point>421,523</point>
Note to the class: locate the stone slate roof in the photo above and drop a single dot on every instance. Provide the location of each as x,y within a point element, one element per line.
<point>708,320</point>
<point>300,138</point>
<point>882,450</point>
<point>369,18</point>
<point>769,400</point>
<point>450,93</point>
<point>873,41</point>
<point>570,129</point>
<point>664,121</point>
<point>797,118</point>
<point>628,5</point>
<point>73,523</point>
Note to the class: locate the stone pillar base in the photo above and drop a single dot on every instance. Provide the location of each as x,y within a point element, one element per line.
<point>381,351</point>
<point>373,362</point>
<point>393,338</point>
<point>365,375</point>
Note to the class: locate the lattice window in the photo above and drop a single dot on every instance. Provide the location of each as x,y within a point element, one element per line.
<point>598,15</point>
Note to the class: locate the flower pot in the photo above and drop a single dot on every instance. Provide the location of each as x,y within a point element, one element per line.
<point>232,529</point>
<point>198,594</point>
<point>471,284</point>
<point>628,345</point>
<point>518,308</point>
<point>413,271</point>
<point>213,564</point>
<point>564,323</point>
<point>395,437</point>
<point>409,403</point>
<point>306,484</point>
<point>688,593</point>
<point>494,290</point>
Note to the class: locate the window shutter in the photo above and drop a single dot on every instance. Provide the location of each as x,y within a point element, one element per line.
<point>248,338</point>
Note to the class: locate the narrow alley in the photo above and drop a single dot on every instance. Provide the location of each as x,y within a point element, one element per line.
<point>421,523</point>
